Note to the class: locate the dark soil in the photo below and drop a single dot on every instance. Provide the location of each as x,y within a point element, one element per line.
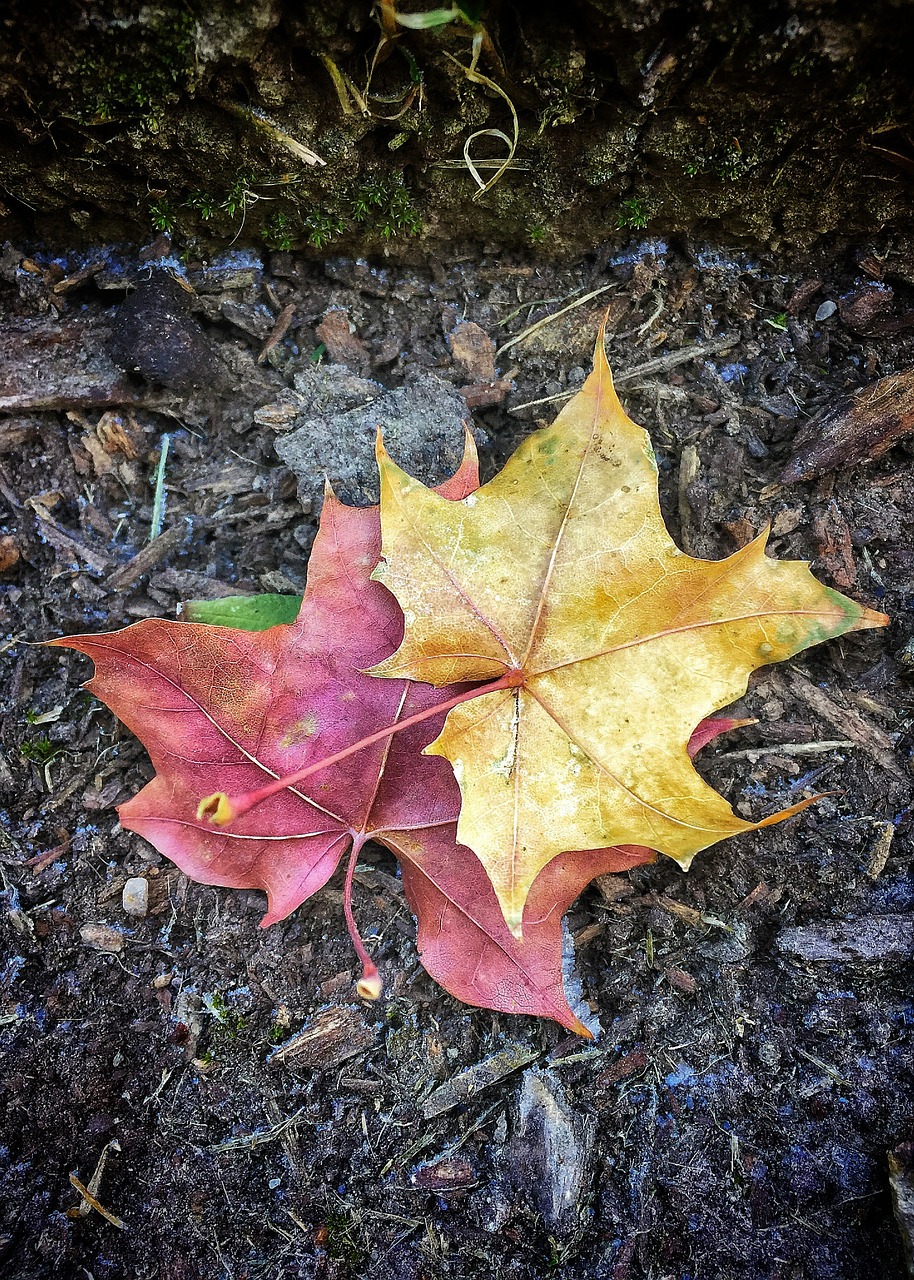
<point>755,1068</point>
<point>326,124</point>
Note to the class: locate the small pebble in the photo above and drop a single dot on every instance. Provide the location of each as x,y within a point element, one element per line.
<point>826,310</point>
<point>135,898</point>
<point>102,937</point>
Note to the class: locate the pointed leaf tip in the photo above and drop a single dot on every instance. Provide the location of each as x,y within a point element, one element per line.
<point>599,354</point>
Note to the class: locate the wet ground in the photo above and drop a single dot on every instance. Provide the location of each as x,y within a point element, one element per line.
<point>755,1067</point>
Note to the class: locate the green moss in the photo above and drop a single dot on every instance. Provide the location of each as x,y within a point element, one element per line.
<point>131,73</point>
<point>239,194</point>
<point>733,164</point>
<point>205,203</point>
<point>341,1244</point>
<point>385,203</point>
<point>41,751</point>
<point>162,215</point>
<point>321,227</point>
<point>279,231</point>
<point>632,214</point>
<point>228,1021</point>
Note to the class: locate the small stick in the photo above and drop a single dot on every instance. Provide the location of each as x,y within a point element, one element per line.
<point>90,1202</point>
<point>43,860</point>
<point>146,559</point>
<point>541,324</point>
<point>790,749</point>
<point>90,1193</point>
<point>278,332</point>
<point>660,364</point>
<point>261,121</point>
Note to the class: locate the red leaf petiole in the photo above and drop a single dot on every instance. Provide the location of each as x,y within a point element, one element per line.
<point>221,809</point>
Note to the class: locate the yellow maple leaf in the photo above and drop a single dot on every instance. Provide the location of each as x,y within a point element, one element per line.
<point>560,574</point>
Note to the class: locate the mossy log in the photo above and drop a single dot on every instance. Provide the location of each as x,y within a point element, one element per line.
<point>334,124</point>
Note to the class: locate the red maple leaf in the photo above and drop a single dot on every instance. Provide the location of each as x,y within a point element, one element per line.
<point>224,709</point>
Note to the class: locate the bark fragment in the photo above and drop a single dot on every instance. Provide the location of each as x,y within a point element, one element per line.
<point>859,430</point>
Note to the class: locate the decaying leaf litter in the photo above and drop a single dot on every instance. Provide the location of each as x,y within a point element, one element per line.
<point>666,1042</point>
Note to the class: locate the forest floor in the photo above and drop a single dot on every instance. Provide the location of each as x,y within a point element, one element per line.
<point>755,1068</point>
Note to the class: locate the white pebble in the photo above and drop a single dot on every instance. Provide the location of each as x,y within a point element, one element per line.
<point>826,310</point>
<point>136,896</point>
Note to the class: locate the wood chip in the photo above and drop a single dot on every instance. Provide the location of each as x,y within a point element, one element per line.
<point>858,430</point>
<point>118,434</point>
<point>473,351</point>
<point>332,1036</point>
<point>759,896</point>
<point>628,1065</point>
<point>613,887</point>
<point>147,559</point>
<point>9,552</point>
<point>802,295</point>
<point>444,1174</point>
<point>689,469</point>
<point>873,740</point>
<point>688,914</point>
<point>102,937</point>
<point>681,980</point>
<point>662,364</point>
<point>484,395</point>
<point>901,1181</point>
<point>344,346</point>
<point>482,1075</point>
<point>833,541</point>
<point>78,278</point>
<point>880,850</point>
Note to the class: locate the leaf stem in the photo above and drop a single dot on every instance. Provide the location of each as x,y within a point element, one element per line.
<point>221,809</point>
<point>370,985</point>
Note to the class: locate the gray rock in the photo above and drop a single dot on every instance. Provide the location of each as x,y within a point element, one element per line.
<point>422,422</point>
<point>332,388</point>
<point>318,391</point>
